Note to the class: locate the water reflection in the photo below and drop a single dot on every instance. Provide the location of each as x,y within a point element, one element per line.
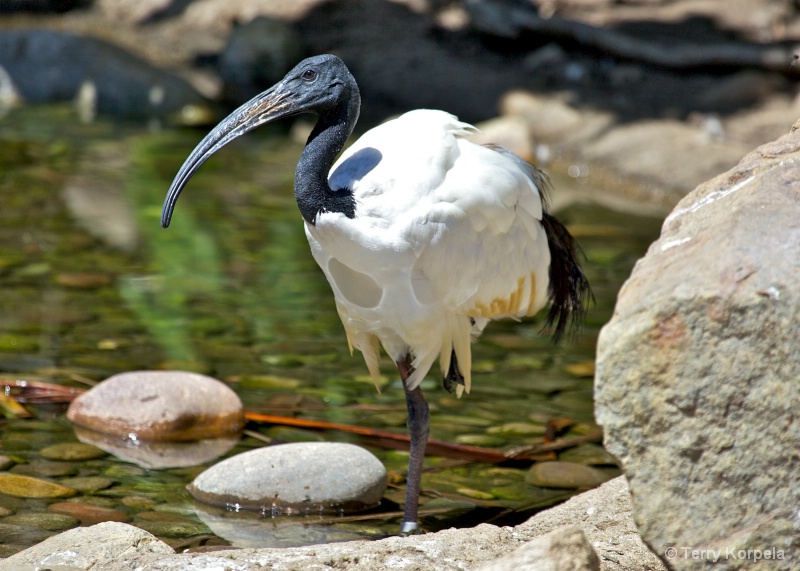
<point>159,455</point>
<point>250,529</point>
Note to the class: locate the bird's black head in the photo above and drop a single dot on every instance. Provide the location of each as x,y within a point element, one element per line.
<point>321,84</point>
<point>318,84</point>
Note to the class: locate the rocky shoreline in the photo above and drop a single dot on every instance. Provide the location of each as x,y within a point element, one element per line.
<point>594,530</point>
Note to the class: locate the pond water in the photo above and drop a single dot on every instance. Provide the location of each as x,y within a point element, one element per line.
<point>93,286</point>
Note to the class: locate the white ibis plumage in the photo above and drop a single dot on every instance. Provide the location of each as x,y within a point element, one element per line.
<point>423,235</point>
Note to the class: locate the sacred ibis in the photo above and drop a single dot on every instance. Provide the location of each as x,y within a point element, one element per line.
<point>424,236</point>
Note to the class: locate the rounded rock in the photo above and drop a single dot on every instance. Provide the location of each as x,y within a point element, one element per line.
<point>42,520</point>
<point>565,475</point>
<point>71,451</point>
<point>303,477</point>
<point>45,469</point>
<point>168,525</point>
<point>589,455</point>
<point>27,487</point>
<point>168,406</point>
<point>87,513</point>
<point>88,484</point>
<point>512,429</point>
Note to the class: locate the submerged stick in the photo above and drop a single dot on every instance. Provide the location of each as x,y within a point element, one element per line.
<point>435,447</point>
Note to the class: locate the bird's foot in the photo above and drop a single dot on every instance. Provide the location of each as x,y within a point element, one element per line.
<point>410,528</point>
<point>449,383</point>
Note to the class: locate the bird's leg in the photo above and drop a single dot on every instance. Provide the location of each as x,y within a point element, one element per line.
<point>418,428</point>
<point>454,376</point>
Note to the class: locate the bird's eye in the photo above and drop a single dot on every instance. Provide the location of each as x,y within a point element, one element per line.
<point>309,75</point>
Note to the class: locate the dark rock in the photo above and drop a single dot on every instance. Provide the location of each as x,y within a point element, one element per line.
<point>399,64</point>
<point>46,66</point>
<point>303,477</point>
<point>42,6</point>
<point>258,54</point>
<point>697,371</point>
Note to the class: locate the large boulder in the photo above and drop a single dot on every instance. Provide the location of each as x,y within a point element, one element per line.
<point>256,56</point>
<point>698,371</point>
<point>46,66</point>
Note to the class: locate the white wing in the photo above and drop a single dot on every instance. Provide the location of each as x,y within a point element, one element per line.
<point>446,232</point>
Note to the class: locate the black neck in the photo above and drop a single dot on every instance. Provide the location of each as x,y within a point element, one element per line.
<point>311,189</point>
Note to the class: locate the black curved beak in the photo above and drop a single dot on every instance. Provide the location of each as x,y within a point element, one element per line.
<point>274,103</point>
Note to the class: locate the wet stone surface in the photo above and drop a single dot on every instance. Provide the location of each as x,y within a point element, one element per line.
<point>86,513</point>
<point>518,429</point>
<point>42,520</point>
<point>27,487</point>
<point>589,454</point>
<point>88,483</point>
<point>565,475</point>
<point>45,469</point>
<point>22,535</point>
<point>72,451</point>
<point>169,525</point>
<point>307,477</point>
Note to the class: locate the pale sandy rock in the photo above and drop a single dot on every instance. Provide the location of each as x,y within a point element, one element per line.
<point>131,12</point>
<point>604,514</point>
<point>220,15</point>
<point>116,545</point>
<point>563,549</point>
<point>511,132</point>
<point>697,372</point>
<point>553,121</point>
<point>663,155</point>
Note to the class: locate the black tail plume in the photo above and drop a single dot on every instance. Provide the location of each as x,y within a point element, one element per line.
<point>569,291</point>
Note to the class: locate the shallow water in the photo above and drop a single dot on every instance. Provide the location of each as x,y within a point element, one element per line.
<point>93,286</point>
